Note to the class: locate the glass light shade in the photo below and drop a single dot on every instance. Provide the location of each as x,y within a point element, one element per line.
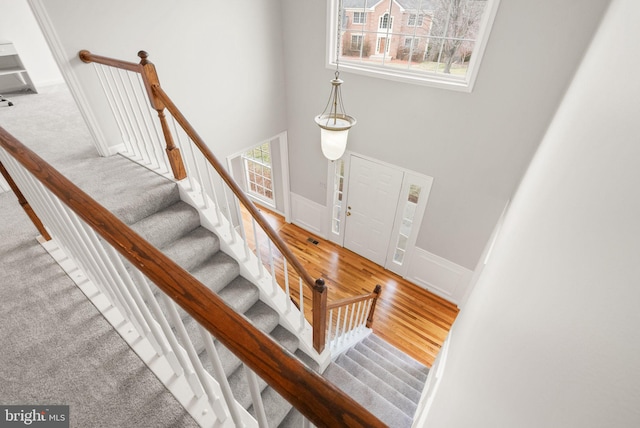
<point>334,130</point>
<point>333,143</point>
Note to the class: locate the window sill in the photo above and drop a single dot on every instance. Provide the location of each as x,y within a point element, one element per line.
<point>431,80</point>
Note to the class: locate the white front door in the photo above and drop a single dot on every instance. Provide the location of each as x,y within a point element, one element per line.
<point>371,208</point>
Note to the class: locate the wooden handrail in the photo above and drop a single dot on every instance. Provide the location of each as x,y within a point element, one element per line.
<point>88,57</point>
<point>374,295</point>
<point>25,204</point>
<point>355,299</point>
<point>321,402</point>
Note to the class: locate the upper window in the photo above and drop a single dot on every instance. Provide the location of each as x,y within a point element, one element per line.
<point>386,21</point>
<point>359,17</point>
<point>437,42</point>
<point>416,19</point>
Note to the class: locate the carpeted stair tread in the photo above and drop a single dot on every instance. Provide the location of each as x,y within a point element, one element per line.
<point>374,382</point>
<point>368,398</point>
<point>409,361</point>
<point>285,338</point>
<point>240,294</point>
<point>193,249</point>
<point>294,419</point>
<point>263,317</point>
<point>409,390</point>
<point>164,227</point>
<point>388,366</point>
<point>133,192</point>
<point>275,406</point>
<point>217,272</point>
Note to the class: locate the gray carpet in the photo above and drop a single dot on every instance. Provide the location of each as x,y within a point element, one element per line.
<point>151,205</point>
<point>381,378</point>
<point>56,347</point>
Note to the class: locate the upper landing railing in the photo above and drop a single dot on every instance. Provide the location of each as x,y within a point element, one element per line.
<point>126,86</point>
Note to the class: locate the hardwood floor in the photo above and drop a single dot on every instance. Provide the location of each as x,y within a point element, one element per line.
<point>407,316</point>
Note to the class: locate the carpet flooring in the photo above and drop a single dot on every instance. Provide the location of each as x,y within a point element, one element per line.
<point>55,347</point>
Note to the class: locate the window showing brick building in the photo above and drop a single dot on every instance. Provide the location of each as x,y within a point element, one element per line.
<point>421,36</point>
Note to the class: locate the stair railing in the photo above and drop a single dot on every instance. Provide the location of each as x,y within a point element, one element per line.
<point>125,85</point>
<point>24,204</point>
<point>100,244</point>
<point>348,318</point>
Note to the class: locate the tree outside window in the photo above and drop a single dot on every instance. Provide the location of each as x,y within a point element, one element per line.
<point>433,37</point>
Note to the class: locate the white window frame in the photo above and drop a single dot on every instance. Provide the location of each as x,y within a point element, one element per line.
<point>437,80</point>
<point>385,24</point>
<point>360,38</point>
<point>270,202</point>
<point>362,17</point>
<point>410,42</point>
<point>417,18</point>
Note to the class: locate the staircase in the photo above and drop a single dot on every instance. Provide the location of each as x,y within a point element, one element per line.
<point>381,378</point>
<point>173,227</point>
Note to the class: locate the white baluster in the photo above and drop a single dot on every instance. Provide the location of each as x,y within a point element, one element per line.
<point>286,283</point>
<point>256,397</point>
<point>257,243</point>
<point>218,373</point>
<point>274,281</point>
<point>301,301</point>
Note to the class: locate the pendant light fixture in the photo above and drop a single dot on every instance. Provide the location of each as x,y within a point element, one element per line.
<point>334,123</point>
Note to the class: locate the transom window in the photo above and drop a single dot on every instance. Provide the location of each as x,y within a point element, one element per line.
<point>258,176</point>
<point>448,38</point>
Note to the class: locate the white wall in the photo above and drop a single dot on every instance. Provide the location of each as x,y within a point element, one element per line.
<point>221,62</point>
<point>550,337</point>
<point>476,146</point>
<point>18,25</point>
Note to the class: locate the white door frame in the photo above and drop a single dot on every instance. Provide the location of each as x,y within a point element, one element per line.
<point>410,177</point>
